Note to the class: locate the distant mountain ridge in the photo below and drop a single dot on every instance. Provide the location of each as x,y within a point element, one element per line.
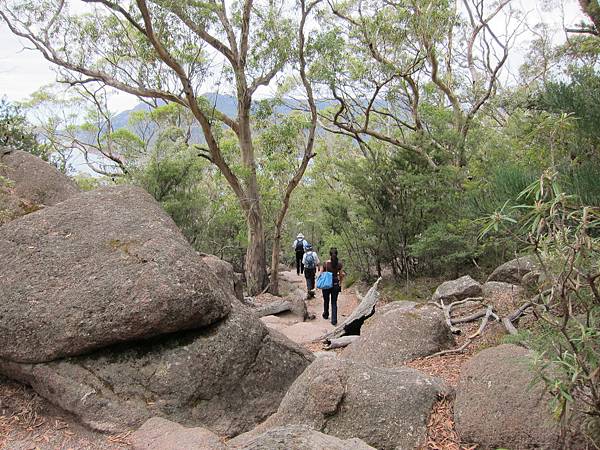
<point>227,104</point>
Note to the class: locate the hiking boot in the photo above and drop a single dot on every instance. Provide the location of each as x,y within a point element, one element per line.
<point>325,316</point>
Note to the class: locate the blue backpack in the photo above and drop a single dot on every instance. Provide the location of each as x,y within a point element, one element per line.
<point>310,261</point>
<point>325,280</point>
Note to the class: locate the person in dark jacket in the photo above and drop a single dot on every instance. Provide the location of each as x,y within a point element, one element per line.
<point>299,246</point>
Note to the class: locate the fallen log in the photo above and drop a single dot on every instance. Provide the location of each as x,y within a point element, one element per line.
<point>508,321</point>
<point>509,326</point>
<point>274,308</point>
<point>489,313</point>
<point>470,318</point>
<point>447,310</point>
<point>340,342</point>
<point>353,323</point>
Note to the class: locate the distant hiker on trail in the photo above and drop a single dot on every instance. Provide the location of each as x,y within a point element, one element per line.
<point>334,266</point>
<point>310,261</point>
<point>299,245</point>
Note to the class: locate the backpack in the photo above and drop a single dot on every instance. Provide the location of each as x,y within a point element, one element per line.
<point>310,261</point>
<point>300,245</point>
<point>325,280</point>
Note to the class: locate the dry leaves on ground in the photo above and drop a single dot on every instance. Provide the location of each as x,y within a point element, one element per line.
<point>441,434</point>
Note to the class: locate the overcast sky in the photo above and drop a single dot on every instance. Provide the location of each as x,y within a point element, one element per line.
<point>24,71</point>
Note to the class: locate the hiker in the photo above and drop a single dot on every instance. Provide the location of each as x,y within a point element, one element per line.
<point>334,266</point>
<point>310,261</point>
<point>299,245</point>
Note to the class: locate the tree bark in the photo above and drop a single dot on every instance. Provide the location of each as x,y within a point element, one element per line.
<point>255,266</point>
<point>274,283</point>
<point>592,10</point>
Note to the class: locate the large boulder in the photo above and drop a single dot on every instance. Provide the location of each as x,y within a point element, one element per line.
<point>491,289</point>
<point>27,184</point>
<point>458,289</point>
<point>224,271</point>
<point>514,270</point>
<point>504,297</point>
<point>227,377</point>
<point>498,405</point>
<point>386,408</point>
<point>297,437</point>
<point>103,267</point>
<point>34,180</point>
<point>398,333</point>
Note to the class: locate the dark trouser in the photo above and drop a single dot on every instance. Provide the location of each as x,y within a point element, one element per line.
<point>309,274</point>
<point>333,294</point>
<point>299,265</point>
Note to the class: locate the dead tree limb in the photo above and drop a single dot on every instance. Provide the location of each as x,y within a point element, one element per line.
<point>340,342</point>
<point>508,320</point>
<point>469,318</point>
<point>489,313</point>
<point>273,308</point>
<point>447,310</point>
<point>352,324</point>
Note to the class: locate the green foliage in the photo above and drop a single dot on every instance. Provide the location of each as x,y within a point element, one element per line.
<point>447,247</point>
<point>579,97</point>
<point>565,236</point>
<point>88,183</point>
<point>16,132</point>
<point>194,196</point>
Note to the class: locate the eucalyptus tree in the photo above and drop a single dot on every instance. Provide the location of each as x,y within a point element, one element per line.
<point>172,51</point>
<point>414,74</point>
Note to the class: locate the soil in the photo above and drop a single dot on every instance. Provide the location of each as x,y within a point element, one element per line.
<point>28,422</point>
<point>308,332</point>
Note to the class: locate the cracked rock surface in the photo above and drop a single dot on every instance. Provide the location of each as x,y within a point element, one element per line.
<point>103,267</point>
<point>227,377</point>
<point>400,332</point>
<point>386,408</point>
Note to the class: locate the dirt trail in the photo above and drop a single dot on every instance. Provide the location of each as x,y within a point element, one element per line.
<point>306,332</point>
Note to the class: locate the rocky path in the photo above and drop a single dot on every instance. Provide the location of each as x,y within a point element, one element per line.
<point>306,332</point>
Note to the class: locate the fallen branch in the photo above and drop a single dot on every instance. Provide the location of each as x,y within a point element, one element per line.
<point>470,318</point>
<point>509,326</point>
<point>353,323</point>
<point>519,312</point>
<point>488,313</point>
<point>273,308</point>
<point>340,342</point>
<point>466,300</point>
<point>447,309</point>
<point>508,320</point>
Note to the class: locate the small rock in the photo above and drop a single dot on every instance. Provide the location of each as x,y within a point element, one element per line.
<point>458,289</point>
<point>514,270</point>
<point>297,437</point>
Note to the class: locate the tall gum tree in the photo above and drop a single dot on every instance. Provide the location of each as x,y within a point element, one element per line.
<point>414,74</point>
<point>172,51</point>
